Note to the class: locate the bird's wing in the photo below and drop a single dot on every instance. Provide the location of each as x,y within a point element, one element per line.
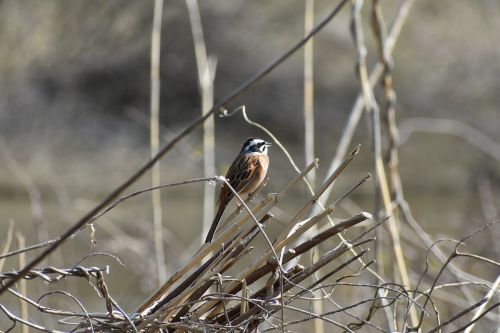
<point>243,172</point>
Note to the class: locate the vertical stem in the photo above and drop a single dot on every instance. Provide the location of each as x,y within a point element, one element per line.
<point>319,326</point>
<point>206,76</point>
<point>383,204</point>
<point>7,243</point>
<point>358,107</point>
<point>309,89</point>
<point>21,243</point>
<point>155,139</point>
<point>309,128</point>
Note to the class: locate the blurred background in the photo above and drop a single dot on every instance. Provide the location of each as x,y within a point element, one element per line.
<point>74,117</point>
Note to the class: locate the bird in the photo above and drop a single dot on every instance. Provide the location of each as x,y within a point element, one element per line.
<point>245,174</point>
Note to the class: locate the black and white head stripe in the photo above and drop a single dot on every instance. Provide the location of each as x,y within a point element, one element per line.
<point>255,145</point>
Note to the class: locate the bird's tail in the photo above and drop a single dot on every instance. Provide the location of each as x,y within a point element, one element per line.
<point>215,223</point>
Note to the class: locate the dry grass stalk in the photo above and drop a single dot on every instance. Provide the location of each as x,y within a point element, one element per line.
<point>382,193</point>
<point>6,245</point>
<point>309,89</point>
<point>23,290</point>
<point>206,75</point>
<point>155,139</point>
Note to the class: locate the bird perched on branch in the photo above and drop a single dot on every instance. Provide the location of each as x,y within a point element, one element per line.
<point>246,173</point>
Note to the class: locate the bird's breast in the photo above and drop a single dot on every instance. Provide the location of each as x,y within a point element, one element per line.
<point>262,164</point>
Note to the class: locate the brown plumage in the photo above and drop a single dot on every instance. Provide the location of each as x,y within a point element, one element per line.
<point>245,174</point>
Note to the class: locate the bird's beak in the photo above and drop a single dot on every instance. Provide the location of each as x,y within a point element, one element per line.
<point>268,144</point>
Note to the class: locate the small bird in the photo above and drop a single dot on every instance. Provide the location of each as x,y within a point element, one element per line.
<point>246,173</point>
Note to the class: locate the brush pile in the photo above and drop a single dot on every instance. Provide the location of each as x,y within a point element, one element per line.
<point>209,295</point>
<point>240,283</point>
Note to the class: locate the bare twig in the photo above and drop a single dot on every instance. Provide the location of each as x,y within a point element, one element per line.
<point>149,189</point>
<point>451,127</point>
<point>480,310</point>
<point>452,256</point>
<point>458,315</point>
<point>47,272</point>
<point>26,249</point>
<point>473,321</point>
<point>16,320</point>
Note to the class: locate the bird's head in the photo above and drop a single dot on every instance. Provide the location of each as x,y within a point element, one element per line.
<point>255,145</point>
